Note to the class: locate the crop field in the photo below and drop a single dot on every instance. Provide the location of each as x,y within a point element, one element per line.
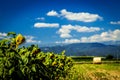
<point>95,72</point>
<point>84,69</point>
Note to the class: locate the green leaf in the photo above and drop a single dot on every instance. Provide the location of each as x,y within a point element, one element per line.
<point>11,70</point>
<point>33,68</point>
<point>63,52</point>
<point>11,33</point>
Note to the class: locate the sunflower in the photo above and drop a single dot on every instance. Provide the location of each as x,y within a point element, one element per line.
<point>19,39</point>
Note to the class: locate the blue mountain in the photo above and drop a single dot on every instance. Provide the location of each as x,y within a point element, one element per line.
<point>85,49</point>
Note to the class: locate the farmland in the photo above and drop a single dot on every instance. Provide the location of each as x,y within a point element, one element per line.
<point>84,69</point>
<point>95,72</point>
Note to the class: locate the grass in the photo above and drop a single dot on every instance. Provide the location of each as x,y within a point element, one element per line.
<point>95,72</point>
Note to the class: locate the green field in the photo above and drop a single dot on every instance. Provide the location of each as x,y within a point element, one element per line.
<point>95,72</point>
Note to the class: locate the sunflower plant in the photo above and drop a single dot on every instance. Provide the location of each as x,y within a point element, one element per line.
<point>30,63</point>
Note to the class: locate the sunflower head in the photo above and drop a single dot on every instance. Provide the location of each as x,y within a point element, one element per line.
<point>19,39</point>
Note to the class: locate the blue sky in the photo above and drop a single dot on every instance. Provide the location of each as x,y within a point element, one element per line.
<point>61,21</point>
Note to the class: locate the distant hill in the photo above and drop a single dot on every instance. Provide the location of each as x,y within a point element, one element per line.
<point>117,43</point>
<point>87,49</point>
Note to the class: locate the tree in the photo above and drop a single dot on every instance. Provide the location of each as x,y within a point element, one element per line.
<point>109,56</point>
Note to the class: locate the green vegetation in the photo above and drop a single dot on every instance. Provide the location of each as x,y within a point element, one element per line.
<point>109,57</point>
<point>84,69</point>
<point>82,58</point>
<point>29,63</point>
<point>95,72</point>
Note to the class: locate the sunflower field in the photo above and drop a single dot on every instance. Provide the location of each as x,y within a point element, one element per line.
<point>30,63</point>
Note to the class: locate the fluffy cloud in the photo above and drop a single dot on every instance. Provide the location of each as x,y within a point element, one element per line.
<point>65,35</point>
<point>52,13</point>
<point>104,36</point>
<point>80,16</point>
<point>117,22</point>
<point>50,25</point>
<point>30,39</point>
<point>2,35</point>
<point>65,30</point>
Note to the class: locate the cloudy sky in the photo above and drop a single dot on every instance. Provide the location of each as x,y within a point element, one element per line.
<point>61,21</point>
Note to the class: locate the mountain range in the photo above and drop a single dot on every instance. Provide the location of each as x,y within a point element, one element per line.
<point>86,49</point>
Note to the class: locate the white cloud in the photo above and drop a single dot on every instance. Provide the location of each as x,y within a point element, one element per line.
<point>117,22</point>
<point>71,41</point>
<point>50,25</point>
<point>68,41</point>
<point>30,39</point>
<point>80,16</point>
<point>2,35</point>
<point>87,29</point>
<point>52,13</point>
<point>65,30</point>
<point>104,36</point>
<point>65,35</point>
<point>40,18</point>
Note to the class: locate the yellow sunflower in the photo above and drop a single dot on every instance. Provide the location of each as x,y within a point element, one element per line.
<point>19,39</point>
